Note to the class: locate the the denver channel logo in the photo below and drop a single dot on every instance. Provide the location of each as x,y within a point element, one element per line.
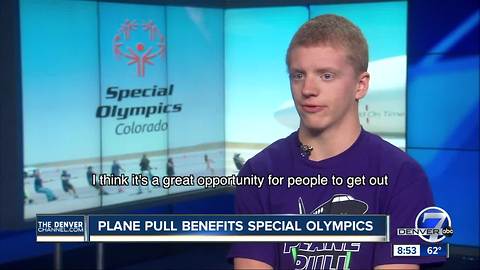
<point>139,46</point>
<point>432,224</point>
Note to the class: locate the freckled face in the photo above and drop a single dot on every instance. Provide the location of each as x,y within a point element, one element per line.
<point>323,84</point>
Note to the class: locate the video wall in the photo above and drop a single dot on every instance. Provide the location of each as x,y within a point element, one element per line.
<point>444,109</point>
<point>128,88</point>
<point>117,89</point>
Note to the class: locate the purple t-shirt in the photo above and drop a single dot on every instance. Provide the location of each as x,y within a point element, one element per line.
<point>406,194</point>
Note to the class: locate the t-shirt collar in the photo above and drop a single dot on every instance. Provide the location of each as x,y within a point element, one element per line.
<point>331,161</point>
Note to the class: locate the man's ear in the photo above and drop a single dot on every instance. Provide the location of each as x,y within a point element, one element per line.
<point>362,85</point>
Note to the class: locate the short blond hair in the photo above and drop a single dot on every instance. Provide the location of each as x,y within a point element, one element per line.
<point>333,30</point>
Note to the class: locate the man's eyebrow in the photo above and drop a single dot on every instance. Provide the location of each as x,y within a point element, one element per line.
<point>317,70</point>
<point>327,69</point>
<point>295,70</point>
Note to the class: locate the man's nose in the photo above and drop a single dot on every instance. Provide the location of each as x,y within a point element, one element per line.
<point>310,87</point>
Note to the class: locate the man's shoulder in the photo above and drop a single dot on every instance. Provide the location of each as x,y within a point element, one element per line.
<point>276,153</point>
<point>386,153</point>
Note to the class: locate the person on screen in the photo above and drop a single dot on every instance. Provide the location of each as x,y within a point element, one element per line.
<point>208,163</point>
<point>116,169</point>
<point>145,170</point>
<point>90,174</point>
<point>170,167</point>
<point>39,188</point>
<point>327,62</point>
<point>66,185</point>
<point>238,161</point>
<point>26,194</point>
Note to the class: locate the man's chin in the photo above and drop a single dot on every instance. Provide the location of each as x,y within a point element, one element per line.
<point>313,127</point>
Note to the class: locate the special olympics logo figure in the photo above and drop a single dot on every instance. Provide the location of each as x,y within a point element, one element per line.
<point>141,53</point>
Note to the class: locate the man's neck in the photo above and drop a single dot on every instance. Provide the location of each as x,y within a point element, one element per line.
<point>329,142</point>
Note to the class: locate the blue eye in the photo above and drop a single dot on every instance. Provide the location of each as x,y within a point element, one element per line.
<point>297,76</point>
<point>328,76</point>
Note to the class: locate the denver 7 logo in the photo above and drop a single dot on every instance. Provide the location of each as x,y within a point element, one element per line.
<point>433,218</point>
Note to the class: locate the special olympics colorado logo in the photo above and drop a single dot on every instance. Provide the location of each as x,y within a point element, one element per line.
<point>139,43</point>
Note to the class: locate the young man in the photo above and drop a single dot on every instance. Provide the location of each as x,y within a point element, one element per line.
<point>327,62</point>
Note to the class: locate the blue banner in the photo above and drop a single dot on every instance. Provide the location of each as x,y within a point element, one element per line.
<point>233,228</point>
